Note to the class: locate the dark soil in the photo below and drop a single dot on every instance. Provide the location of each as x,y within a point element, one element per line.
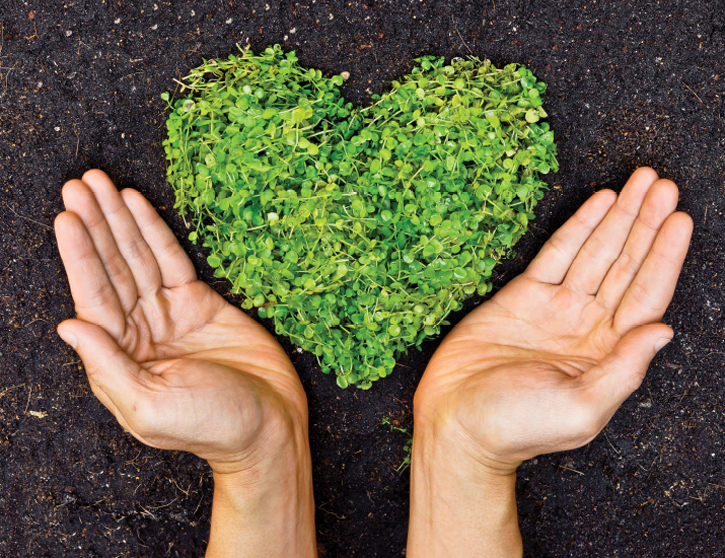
<point>630,84</point>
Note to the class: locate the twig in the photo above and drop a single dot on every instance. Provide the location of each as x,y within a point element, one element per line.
<point>28,218</point>
<point>30,391</point>
<point>650,465</point>
<point>330,512</point>
<point>78,140</point>
<point>691,90</point>
<point>37,320</point>
<point>172,481</point>
<point>572,470</point>
<point>459,34</point>
<point>147,512</point>
<point>610,443</point>
<point>163,505</point>
<point>198,505</point>
<point>34,35</point>
<point>81,43</point>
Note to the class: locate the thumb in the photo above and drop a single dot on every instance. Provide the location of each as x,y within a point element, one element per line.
<point>107,365</point>
<point>621,372</point>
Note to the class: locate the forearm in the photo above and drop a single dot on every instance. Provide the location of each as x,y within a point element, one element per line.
<point>267,510</point>
<point>458,508</point>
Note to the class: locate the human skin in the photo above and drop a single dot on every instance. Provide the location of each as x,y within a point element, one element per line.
<point>182,369</point>
<point>542,366</point>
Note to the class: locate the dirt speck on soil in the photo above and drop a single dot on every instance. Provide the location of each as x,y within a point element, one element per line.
<point>630,84</point>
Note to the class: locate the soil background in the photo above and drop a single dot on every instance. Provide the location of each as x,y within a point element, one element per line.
<point>630,84</point>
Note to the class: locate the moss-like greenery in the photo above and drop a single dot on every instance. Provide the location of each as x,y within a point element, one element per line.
<point>357,230</point>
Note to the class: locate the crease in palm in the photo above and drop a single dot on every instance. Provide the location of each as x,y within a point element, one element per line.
<point>565,327</point>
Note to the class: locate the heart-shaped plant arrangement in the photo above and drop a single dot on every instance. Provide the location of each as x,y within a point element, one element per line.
<point>357,230</point>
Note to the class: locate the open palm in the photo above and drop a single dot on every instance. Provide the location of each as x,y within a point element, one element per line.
<point>545,363</point>
<point>178,366</point>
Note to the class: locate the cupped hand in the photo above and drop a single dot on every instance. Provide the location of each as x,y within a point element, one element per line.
<point>544,364</point>
<point>178,366</point>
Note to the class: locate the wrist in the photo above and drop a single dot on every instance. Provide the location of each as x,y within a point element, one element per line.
<point>461,504</point>
<point>452,455</point>
<point>266,508</point>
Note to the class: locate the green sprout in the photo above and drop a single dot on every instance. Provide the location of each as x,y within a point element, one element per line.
<point>408,448</point>
<point>357,230</point>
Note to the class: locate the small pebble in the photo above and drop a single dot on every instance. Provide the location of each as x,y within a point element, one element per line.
<point>293,31</point>
<point>68,33</point>
<point>57,128</point>
<point>345,76</point>
<point>117,20</point>
<point>229,21</point>
<point>155,27</point>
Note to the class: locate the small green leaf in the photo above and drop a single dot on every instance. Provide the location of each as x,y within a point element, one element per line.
<point>214,261</point>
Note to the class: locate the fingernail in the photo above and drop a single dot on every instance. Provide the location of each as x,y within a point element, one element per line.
<point>69,338</point>
<point>661,343</point>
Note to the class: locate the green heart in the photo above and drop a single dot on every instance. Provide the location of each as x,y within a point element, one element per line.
<point>357,230</point>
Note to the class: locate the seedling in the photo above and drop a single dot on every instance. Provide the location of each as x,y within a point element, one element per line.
<point>357,230</point>
<point>408,448</point>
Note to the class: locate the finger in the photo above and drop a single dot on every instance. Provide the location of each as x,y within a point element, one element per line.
<point>556,256</point>
<point>112,373</point>
<point>621,372</point>
<point>79,199</point>
<point>605,244</point>
<point>175,266</point>
<point>96,301</point>
<point>651,291</point>
<point>659,204</point>
<point>129,240</point>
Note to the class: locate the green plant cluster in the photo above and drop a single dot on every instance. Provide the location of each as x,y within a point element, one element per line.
<point>357,230</point>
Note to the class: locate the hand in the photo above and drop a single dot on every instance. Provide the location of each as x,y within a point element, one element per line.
<point>182,369</point>
<point>178,366</point>
<point>544,364</point>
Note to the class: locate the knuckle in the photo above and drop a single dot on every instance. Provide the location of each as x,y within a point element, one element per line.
<point>628,264</point>
<point>135,248</point>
